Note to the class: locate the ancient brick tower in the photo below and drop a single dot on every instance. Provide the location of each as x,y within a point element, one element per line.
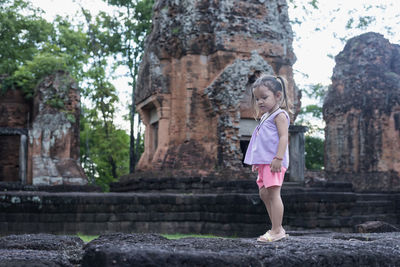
<point>362,114</point>
<point>193,87</point>
<point>39,141</point>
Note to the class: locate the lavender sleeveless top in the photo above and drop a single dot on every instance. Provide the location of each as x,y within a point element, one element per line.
<point>264,141</point>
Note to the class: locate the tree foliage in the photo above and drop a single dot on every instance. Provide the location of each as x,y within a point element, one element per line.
<point>29,74</point>
<point>114,41</point>
<point>311,116</point>
<point>134,19</point>
<point>314,152</point>
<point>104,155</point>
<point>32,48</point>
<point>20,35</point>
<point>103,152</point>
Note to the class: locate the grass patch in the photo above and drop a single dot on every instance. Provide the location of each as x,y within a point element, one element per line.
<point>179,236</point>
<point>87,238</point>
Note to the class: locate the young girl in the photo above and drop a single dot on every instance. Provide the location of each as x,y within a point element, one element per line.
<point>268,148</point>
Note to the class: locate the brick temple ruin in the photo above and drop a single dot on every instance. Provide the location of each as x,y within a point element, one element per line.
<point>362,114</point>
<point>192,94</point>
<point>39,144</point>
<point>193,91</point>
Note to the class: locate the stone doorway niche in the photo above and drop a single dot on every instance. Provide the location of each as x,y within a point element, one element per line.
<point>13,151</point>
<point>153,121</point>
<point>247,122</point>
<point>246,128</point>
<point>155,115</point>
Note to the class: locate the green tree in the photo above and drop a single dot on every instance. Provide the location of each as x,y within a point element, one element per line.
<point>20,35</point>
<point>314,153</point>
<point>135,24</point>
<point>32,48</point>
<point>98,147</point>
<point>103,146</point>
<point>70,40</point>
<point>311,116</point>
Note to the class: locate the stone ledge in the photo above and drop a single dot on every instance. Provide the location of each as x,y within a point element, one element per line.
<point>16,186</point>
<point>328,249</point>
<point>214,184</point>
<point>302,248</point>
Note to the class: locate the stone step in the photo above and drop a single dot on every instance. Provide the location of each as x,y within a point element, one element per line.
<point>377,196</point>
<point>321,221</point>
<point>214,185</point>
<point>17,186</point>
<point>377,202</point>
<point>331,185</point>
<point>375,206</point>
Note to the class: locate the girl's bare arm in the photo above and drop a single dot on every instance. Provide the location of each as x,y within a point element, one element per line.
<point>283,133</point>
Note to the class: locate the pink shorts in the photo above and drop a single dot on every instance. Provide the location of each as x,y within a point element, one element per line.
<point>266,178</point>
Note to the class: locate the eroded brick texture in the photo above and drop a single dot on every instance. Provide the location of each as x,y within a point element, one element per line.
<point>14,114</point>
<point>14,109</point>
<point>54,135</point>
<point>193,86</point>
<point>362,114</point>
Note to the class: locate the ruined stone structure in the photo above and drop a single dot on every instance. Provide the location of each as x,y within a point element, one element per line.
<point>39,139</point>
<point>193,87</point>
<point>362,114</point>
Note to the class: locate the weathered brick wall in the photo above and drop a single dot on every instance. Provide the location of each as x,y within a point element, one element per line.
<point>362,115</point>
<point>15,112</point>
<point>14,109</point>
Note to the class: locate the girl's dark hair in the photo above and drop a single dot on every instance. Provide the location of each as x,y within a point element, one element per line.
<point>275,84</point>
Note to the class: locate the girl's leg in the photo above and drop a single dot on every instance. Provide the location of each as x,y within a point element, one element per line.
<point>265,198</point>
<point>276,209</point>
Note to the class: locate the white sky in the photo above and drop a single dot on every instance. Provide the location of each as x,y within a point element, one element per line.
<point>311,47</point>
<point>314,47</point>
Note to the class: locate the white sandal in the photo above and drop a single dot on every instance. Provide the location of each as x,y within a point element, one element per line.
<point>268,237</point>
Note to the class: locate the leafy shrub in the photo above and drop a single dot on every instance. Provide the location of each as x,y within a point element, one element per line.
<point>29,75</point>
